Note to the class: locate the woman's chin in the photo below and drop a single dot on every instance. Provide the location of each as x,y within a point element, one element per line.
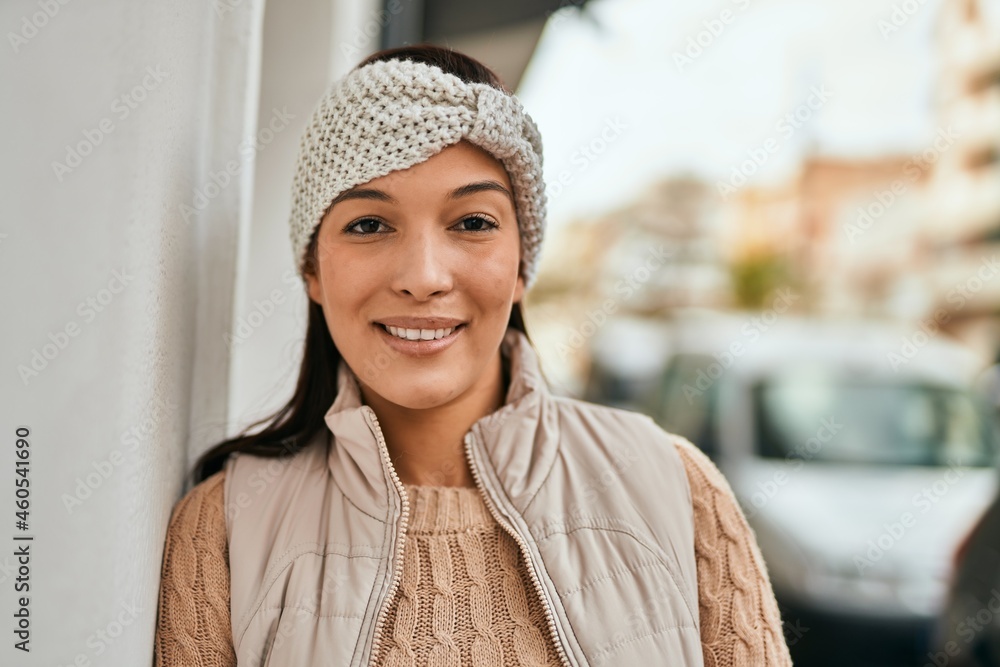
<point>420,394</point>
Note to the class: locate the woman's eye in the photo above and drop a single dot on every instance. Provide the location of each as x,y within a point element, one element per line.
<point>480,223</point>
<point>370,226</point>
<point>359,226</point>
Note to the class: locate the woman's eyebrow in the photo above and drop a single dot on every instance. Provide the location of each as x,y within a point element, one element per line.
<point>365,193</point>
<point>479,186</point>
<point>373,194</point>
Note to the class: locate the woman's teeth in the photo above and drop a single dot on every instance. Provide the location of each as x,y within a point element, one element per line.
<point>419,334</point>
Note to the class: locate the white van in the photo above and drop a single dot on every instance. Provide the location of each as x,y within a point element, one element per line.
<point>857,450</point>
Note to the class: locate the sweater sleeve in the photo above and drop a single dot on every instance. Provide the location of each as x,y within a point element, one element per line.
<point>193,626</point>
<point>740,622</point>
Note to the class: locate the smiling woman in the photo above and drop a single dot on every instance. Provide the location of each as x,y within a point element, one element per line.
<point>423,499</point>
<point>430,248</point>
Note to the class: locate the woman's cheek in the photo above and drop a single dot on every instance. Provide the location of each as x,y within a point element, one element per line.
<point>496,268</point>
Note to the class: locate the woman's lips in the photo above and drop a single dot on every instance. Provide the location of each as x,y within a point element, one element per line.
<point>419,348</point>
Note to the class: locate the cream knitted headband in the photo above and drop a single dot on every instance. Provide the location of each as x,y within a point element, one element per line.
<point>391,115</point>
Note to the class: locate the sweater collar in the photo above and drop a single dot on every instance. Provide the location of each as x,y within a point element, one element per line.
<point>518,439</point>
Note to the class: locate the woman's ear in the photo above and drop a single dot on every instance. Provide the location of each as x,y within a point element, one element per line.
<point>314,288</point>
<point>519,289</point>
<point>310,266</point>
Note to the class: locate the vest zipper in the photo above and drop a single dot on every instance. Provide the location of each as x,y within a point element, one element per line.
<point>397,557</point>
<point>553,630</point>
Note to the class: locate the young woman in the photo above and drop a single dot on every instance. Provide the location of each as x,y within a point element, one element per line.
<point>423,499</point>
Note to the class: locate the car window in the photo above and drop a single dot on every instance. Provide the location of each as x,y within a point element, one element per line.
<point>607,387</point>
<point>686,404</point>
<point>869,423</point>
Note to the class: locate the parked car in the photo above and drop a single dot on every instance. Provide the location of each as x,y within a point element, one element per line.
<point>860,455</point>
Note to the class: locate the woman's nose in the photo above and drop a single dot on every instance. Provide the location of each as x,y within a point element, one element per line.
<point>422,266</point>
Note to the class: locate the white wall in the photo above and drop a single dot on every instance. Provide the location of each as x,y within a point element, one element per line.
<point>307,44</point>
<point>136,381</point>
<point>138,384</point>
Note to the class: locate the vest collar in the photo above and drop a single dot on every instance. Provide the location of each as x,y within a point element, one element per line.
<point>519,439</point>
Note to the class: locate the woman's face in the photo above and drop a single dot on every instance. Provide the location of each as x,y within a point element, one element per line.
<point>426,249</point>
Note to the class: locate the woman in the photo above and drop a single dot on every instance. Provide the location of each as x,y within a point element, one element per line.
<point>423,499</point>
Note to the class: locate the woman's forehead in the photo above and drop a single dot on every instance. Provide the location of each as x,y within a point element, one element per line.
<point>453,166</point>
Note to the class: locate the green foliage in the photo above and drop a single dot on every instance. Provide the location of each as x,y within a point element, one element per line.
<point>756,277</point>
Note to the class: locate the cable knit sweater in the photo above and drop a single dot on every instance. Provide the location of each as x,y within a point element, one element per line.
<point>465,595</point>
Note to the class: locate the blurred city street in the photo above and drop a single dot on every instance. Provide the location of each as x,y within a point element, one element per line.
<point>788,256</point>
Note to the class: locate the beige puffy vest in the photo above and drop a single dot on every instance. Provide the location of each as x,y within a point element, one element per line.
<point>597,498</point>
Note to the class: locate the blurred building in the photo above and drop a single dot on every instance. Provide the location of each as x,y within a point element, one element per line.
<point>911,236</point>
<point>841,232</point>
<point>961,230</point>
<point>840,235</point>
<point>896,236</point>
<point>661,251</point>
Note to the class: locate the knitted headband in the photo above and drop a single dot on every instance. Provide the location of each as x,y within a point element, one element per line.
<point>394,114</point>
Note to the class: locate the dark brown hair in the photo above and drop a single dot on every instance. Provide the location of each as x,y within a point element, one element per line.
<point>290,428</point>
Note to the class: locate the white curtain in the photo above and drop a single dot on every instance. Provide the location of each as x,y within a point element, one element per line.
<point>126,188</point>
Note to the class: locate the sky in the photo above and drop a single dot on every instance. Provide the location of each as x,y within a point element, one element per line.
<point>630,91</point>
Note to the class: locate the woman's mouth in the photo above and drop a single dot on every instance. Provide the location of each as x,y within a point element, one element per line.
<point>419,342</point>
<point>420,334</point>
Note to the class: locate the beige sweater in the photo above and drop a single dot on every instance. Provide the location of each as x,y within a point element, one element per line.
<point>465,596</point>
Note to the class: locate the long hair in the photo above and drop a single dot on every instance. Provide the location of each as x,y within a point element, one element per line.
<point>291,428</point>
